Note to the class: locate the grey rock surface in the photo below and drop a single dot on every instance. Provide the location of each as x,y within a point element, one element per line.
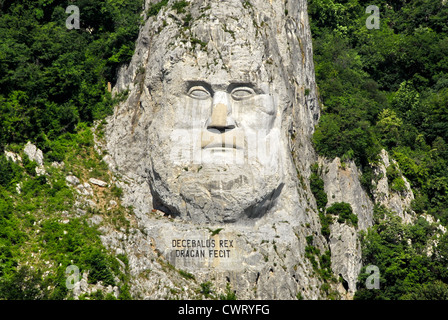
<point>240,224</point>
<point>398,201</point>
<point>342,184</point>
<point>262,208</point>
<point>98,182</point>
<point>72,180</point>
<point>34,153</point>
<point>13,156</point>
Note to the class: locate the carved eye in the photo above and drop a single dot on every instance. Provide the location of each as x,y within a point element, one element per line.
<point>242,93</point>
<point>199,93</point>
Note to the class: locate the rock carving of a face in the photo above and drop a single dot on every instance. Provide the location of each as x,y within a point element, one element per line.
<point>217,154</point>
<point>215,143</point>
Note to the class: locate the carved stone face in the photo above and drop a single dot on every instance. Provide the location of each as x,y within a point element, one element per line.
<point>215,148</point>
<point>222,123</point>
<point>215,142</point>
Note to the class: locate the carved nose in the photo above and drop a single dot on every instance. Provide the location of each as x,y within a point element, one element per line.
<point>219,119</point>
<point>219,116</point>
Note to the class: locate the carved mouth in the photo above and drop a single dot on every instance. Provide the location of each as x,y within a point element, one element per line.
<point>222,142</point>
<point>221,146</point>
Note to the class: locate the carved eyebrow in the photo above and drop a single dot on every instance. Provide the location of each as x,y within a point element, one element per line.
<point>251,85</point>
<point>212,88</point>
<point>199,83</point>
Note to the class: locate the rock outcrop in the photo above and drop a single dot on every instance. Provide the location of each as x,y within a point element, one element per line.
<point>239,223</point>
<point>35,154</point>
<point>218,74</point>
<point>397,198</point>
<point>342,184</point>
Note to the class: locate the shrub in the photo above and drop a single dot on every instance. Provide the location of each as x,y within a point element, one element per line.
<point>99,267</point>
<point>24,284</point>
<point>229,294</point>
<point>344,211</point>
<point>206,288</point>
<point>155,8</point>
<point>317,187</point>
<point>29,165</point>
<point>186,275</point>
<point>6,171</point>
<point>179,6</point>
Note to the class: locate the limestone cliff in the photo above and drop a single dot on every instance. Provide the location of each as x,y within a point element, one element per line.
<point>342,184</point>
<point>258,235</point>
<point>261,257</point>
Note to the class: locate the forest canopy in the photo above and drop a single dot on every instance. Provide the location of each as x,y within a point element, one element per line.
<point>52,78</point>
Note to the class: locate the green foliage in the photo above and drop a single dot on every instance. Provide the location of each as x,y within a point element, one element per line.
<point>179,6</point>
<point>206,288</point>
<point>186,274</point>
<point>99,265</point>
<point>310,253</point>
<point>77,242</point>
<point>325,220</point>
<point>322,266</point>
<point>317,187</point>
<point>29,165</point>
<point>8,171</point>
<point>155,8</point>
<point>53,84</point>
<point>11,237</point>
<point>309,240</point>
<point>215,232</point>
<point>387,88</point>
<point>344,212</point>
<point>388,125</point>
<point>25,284</point>
<point>436,290</point>
<point>351,102</point>
<point>400,251</point>
<point>229,293</point>
<point>396,182</point>
<point>195,41</point>
<point>52,78</point>
<point>31,226</point>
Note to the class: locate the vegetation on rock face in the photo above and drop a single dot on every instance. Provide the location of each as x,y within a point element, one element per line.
<point>388,88</point>
<point>321,264</point>
<point>411,265</point>
<point>53,85</point>
<point>344,212</point>
<point>385,88</point>
<point>317,187</point>
<point>51,78</point>
<point>42,232</point>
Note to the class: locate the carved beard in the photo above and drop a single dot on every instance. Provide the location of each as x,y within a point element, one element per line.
<point>213,193</point>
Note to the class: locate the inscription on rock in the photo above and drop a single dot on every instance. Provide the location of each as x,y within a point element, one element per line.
<point>211,248</point>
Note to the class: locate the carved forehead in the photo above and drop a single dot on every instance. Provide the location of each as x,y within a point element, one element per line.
<point>220,47</point>
<point>219,79</point>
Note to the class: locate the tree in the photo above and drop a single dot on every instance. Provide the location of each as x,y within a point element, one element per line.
<point>389,124</point>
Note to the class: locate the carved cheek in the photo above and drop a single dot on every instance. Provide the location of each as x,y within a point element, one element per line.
<point>191,113</point>
<point>257,113</point>
<point>266,104</point>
